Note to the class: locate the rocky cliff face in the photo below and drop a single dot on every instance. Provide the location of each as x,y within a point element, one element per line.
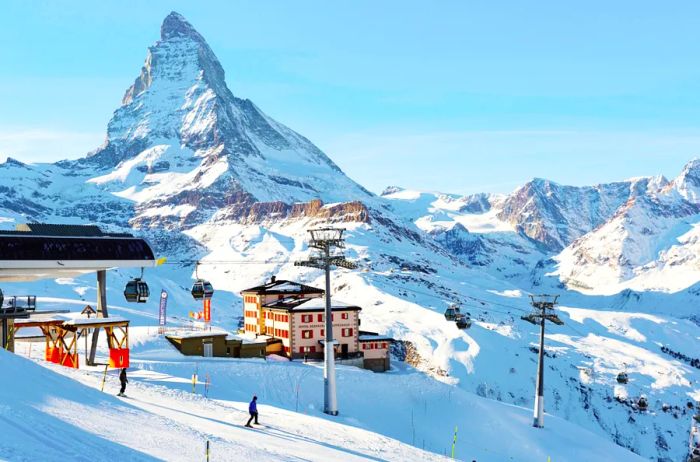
<point>556,215</point>
<point>649,243</point>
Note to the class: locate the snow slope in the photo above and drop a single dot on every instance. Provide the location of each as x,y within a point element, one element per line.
<point>163,419</point>
<point>47,416</point>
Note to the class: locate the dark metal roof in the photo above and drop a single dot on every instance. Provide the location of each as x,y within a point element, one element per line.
<point>59,230</point>
<point>51,248</point>
<point>283,287</point>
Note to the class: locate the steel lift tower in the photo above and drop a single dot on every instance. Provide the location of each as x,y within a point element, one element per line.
<point>543,310</point>
<point>328,244</point>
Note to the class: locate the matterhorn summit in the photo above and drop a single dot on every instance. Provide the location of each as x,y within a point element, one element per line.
<point>183,145</point>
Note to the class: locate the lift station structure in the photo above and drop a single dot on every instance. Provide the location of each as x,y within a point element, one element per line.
<point>38,251</point>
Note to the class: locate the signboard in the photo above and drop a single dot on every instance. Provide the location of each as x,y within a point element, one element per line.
<point>118,357</point>
<point>207,310</point>
<point>163,307</point>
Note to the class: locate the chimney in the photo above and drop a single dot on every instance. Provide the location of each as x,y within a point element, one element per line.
<point>273,279</point>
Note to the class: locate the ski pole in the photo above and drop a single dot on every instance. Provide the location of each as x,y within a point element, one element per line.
<point>207,451</point>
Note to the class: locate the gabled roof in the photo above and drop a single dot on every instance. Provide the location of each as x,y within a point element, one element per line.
<point>282,287</point>
<point>310,304</point>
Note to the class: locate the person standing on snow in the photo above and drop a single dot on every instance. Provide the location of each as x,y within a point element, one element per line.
<point>124,381</point>
<point>253,410</point>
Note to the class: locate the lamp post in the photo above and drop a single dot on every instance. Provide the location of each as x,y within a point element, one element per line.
<point>324,241</point>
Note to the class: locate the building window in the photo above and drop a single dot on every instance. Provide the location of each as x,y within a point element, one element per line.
<point>344,316</point>
<point>307,334</point>
<point>307,318</point>
<point>347,332</point>
<point>384,345</point>
<point>322,332</point>
<point>320,318</point>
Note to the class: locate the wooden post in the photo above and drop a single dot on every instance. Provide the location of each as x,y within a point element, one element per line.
<point>101,311</point>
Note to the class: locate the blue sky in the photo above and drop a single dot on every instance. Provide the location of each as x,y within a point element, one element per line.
<point>453,96</point>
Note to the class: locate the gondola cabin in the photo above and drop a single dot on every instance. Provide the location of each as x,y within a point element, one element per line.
<point>463,322</point>
<point>202,290</point>
<point>622,378</point>
<point>642,403</point>
<point>451,313</point>
<point>136,291</point>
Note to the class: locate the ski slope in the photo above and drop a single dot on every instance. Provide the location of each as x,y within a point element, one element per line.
<point>47,416</point>
<point>54,413</point>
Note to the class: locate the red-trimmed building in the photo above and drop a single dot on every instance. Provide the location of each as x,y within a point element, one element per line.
<point>295,314</point>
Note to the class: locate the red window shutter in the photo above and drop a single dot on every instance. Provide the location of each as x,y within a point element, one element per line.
<point>322,332</point>
<point>383,345</point>
<point>313,349</point>
<point>350,332</point>
<point>320,318</point>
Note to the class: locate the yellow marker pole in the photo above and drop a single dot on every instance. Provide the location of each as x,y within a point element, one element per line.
<point>104,378</point>
<point>454,442</point>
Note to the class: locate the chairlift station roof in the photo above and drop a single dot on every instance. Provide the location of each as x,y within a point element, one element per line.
<point>46,251</point>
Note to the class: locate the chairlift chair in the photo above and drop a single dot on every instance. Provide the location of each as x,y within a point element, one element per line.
<point>2,299</point>
<point>136,290</point>
<point>622,378</point>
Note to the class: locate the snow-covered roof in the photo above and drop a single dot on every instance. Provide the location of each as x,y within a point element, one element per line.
<point>281,286</point>
<point>198,333</point>
<point>248,339</point>
<point>310,304</point>
<point>93,320</point>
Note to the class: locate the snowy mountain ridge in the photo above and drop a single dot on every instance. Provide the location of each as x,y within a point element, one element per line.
<point>207,176</point>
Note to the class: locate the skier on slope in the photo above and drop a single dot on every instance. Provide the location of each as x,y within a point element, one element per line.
<point>124,381</point>
<point>253,410</point>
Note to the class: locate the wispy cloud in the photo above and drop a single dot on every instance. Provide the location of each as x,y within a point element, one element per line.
<point>45,144</point>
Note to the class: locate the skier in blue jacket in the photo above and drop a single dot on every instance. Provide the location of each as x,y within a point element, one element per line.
<point>253,410</point>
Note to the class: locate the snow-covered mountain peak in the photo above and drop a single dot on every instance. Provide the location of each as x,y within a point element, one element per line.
<point>181,141</point>
<point>175,25</point>
<point>688,182</point>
